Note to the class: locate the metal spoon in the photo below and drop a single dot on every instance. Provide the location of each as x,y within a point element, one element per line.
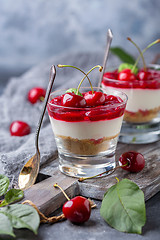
<point>29,172</point>
<point>109,40</point>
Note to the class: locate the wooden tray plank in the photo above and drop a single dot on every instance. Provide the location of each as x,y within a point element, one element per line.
<point>148,179</point>
<point>48,198</point>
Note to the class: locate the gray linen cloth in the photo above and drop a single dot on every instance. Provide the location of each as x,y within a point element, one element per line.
<point>16,151</point>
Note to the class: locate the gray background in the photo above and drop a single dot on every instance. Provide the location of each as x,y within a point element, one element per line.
<point>32,31</point>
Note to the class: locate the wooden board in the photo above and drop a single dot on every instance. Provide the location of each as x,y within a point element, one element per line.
<point>48,198</point>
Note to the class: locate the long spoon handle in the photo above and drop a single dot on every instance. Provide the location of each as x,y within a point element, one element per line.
<point>51,80</point>
<point>109,40</point>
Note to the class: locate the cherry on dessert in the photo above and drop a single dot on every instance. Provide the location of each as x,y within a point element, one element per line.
<point>112,99</point>
<point>57,100</point>
<point>94,99</point>
<point>134,160</point>
<point>123,66</point>
<point>143,75</point>
<point>76,90</point>
<point>36,94</point>
<point>19,128</point>
<point>73,100</point>
<point>126,75</point>
<point>77,210</point>
<point>111,75</point>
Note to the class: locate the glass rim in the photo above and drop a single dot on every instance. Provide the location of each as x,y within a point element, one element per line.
<point>91,108</point>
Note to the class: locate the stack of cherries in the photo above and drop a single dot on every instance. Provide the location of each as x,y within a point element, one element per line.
<point>143,78</point>
<point>128,73</point>
<point>89,100</point>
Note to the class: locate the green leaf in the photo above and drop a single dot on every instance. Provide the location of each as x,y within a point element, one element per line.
<point>127,66</point>
<point>4,183</point>
<point>122,55</point>
<point>22,216</point>
<point>5,225</point>
<point>123,207</point>
<point>74,90</point>
<point>133,139</point>
<point>11,196</point>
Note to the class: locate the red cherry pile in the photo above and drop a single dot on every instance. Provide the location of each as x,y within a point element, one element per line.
<point>90,104</point>
<point>87,99</point>
<point>143,79</point>
<point>130,77</point>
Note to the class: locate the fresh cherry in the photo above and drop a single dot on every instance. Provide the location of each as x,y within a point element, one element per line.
<point>36,94</point>
<point>131,161</point>
<point>134,161</point>
<point>57,100</point>
<point>19,128</point>
<point>126,75</point>
<point>111,75</point>
<point>73,100</point>
<point>143,75</point>
<point>77,210</point>
<point>112,99</point>
<point>94,99</point>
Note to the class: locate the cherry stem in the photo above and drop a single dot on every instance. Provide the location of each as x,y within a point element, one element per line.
<point>41,99</point>
<point>57,186</point>
<point>150,45</point>
<point>141,54</point>
<point>100,69</point>
<point>61,66</point>
<point>100,174</point>
<point>117,179</point>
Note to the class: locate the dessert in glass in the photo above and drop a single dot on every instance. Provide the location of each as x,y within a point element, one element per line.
<point>86,123</point>
<point>142,114</point>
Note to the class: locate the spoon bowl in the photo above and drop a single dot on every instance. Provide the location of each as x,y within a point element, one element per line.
<point>29,172</point>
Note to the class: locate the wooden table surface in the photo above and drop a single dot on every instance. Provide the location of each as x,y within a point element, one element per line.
<point>43,194</point>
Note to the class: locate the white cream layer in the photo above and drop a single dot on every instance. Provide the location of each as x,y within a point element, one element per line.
<point>139,99</point>
<point>87,130</point>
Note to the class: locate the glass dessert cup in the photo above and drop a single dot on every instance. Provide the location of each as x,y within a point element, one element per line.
<point>86,138</point>
<point>142,114</point>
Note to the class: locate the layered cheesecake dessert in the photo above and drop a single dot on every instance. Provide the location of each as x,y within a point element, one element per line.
<point>86,124</point>
<point>142,89</point>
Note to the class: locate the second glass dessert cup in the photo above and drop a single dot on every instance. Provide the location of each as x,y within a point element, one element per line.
<point>87,137</point>
<point>142,115</point>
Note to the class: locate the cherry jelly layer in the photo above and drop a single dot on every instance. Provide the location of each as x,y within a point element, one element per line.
<point>152,80</point>
<point>113,107</point>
